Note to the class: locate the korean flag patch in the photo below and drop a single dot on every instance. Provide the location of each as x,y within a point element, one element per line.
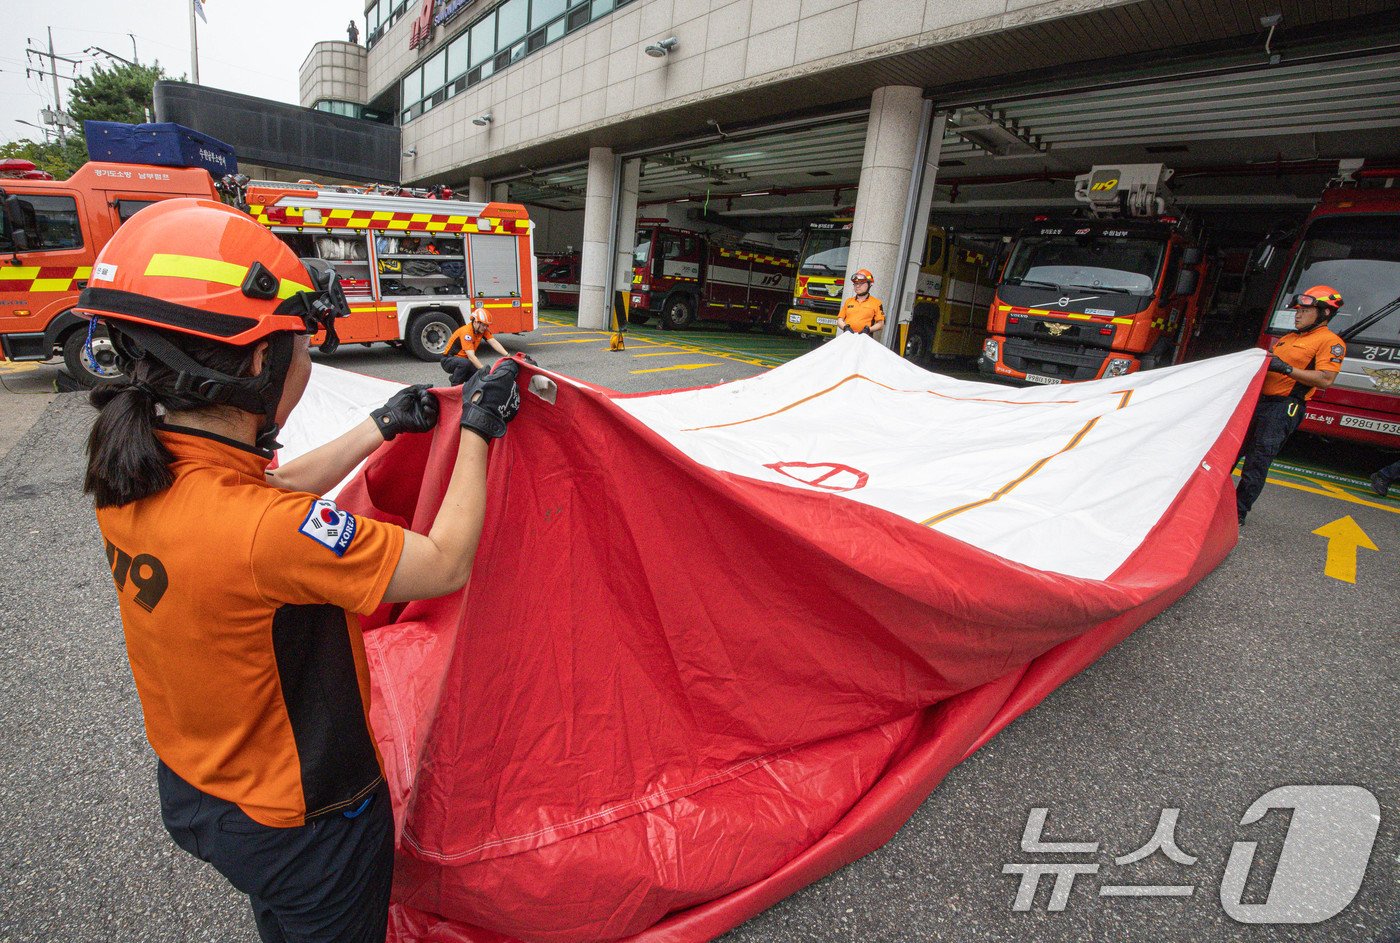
<point>329,526</point>
<point>1337,350</point>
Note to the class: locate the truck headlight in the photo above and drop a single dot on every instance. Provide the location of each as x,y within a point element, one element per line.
<point>991,349</point>
<point>1117,367</point>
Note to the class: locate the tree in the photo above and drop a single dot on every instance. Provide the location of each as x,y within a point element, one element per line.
<point>58,159</point>
<point>121,93</point>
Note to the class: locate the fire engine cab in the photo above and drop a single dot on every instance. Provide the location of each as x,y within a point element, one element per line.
<point>413,267</point>
<point>1081,299</point>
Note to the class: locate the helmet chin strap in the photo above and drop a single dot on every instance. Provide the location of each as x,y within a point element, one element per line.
<point>259,395</point>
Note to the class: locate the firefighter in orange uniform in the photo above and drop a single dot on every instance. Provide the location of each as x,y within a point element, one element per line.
<point>1302,363</point>
<point>237,583</point>
<point>467,338</point>
<point>861,313</point>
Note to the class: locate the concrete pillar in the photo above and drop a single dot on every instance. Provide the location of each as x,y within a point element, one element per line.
<point>500,193</point>
<point>477,190</point>
<point>886,172</point>
<point>598,201</point>
<point>625,241</point>
<point>917,230</point>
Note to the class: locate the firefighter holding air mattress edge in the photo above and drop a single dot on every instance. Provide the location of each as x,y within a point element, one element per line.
<point>236,583</point>
<point>861,313</point>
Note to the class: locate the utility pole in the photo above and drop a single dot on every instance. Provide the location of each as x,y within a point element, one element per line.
<point>194,43</point>
<point>52,73</point>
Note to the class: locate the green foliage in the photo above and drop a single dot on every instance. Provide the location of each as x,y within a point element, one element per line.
<point>119,93</point>
<point>58,159</point>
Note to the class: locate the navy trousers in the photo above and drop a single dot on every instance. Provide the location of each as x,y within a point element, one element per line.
<point>1275,419</point>
<point>324,882</point>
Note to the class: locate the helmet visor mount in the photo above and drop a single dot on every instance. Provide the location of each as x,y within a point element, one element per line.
<point>318,308</point>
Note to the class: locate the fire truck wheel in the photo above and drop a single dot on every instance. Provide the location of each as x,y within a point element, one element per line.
<point>919,342</point>
<point>677,314</point>
<point>427,334</point>
<point>89,370</point>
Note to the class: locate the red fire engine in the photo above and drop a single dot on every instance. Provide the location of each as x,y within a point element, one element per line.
<point>1351,242</point>
<point>412,268</point>
<point>681,277</point>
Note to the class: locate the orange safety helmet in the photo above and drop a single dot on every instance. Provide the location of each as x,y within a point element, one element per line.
<point>865,274</point>
<point>1324,297</point>
<point>203,268</point>
<point>479,316</point>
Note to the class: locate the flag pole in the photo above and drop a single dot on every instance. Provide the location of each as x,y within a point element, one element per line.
<point>194,44</point>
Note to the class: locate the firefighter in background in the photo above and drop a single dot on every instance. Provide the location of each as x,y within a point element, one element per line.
<point>467,338</point>
<point>1302,363</point>
<point>236,583</point>
<point>862,313</point>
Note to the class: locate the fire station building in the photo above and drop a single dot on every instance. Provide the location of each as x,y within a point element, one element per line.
<point>759,113</point>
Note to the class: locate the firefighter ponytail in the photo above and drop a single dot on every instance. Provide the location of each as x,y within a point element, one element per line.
<point>126,461</point>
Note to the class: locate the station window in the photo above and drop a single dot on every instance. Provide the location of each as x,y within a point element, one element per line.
<point>503,36</point>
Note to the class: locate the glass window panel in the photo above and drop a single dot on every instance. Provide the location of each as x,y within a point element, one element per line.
<point>484,39</point>
<point>602,8</point>
<point>457,59</point>
<point>542,11</point>
<point>372,18</point>
<point>512,17</point>
<point>555,30</point>
<point>36,223</point>
<point>435,72</point>
<point>412,87</point>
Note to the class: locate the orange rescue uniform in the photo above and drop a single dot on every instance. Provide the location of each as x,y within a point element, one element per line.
<point>858,315</point>
<point>234,597</point>
<point>467,338</point>
<point>1316,349</point>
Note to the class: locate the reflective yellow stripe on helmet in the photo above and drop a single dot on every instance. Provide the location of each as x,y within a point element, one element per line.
<point>211,270</point>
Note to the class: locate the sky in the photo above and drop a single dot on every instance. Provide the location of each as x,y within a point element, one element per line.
<point>249,46</point>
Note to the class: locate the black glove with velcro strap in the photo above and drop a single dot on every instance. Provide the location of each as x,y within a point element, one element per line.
<point>490,399</point>
<point>411,409</point>
<point>1277,365</point>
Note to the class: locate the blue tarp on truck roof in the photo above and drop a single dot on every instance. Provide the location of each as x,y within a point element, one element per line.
<point>164,144</point>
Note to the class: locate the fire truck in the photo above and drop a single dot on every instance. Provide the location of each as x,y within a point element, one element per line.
<point>413,268</point>
<point>681,277</point>
<point>954,288</point>
<point>1081,299</point>
<point>559,279</point>
<point>50,232</point>
<point>1351,242</point>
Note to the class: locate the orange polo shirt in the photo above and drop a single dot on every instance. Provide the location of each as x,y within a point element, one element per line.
<point>467,338</point>
<point>234,597</point>
<point>858,315</point>
<point>1317,349</point>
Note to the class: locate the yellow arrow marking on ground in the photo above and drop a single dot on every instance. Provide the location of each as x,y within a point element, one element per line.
<point>679,366</point>
<point>1344,536</point>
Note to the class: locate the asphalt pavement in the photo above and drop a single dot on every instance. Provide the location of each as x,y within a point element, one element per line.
<point>1269,673</point>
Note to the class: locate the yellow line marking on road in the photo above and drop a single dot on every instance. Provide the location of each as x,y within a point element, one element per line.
<point>21,367</point>
<point>566,333</point>
<point>679,366</point>
<point>581,340</point>
<point>1341,496</point>
<point>665,353</point>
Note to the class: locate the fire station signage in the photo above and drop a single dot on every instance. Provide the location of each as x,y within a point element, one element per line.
<point>448,9</point>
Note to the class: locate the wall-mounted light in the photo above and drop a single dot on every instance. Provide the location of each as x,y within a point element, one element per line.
<point>482,121</point>
<point>411,152</point>
<point>661,49</point>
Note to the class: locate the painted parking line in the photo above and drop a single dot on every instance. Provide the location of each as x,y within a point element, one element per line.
<point>663,353</point>
<point>679,366</point>
<point>1332,491</point>
<point>9,366</point>
<point>579,340</point>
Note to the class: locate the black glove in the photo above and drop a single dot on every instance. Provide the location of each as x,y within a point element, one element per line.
<point>490,399</point>
<point>530,360</point>
<point>458,369</point>
<point>1278,366</point>
<point>411,409</point>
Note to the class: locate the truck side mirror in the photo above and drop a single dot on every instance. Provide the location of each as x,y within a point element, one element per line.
<point>1260,258</point>
<point>1192,255</point>
<point>17,215</point>
<point>1186,281</point>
